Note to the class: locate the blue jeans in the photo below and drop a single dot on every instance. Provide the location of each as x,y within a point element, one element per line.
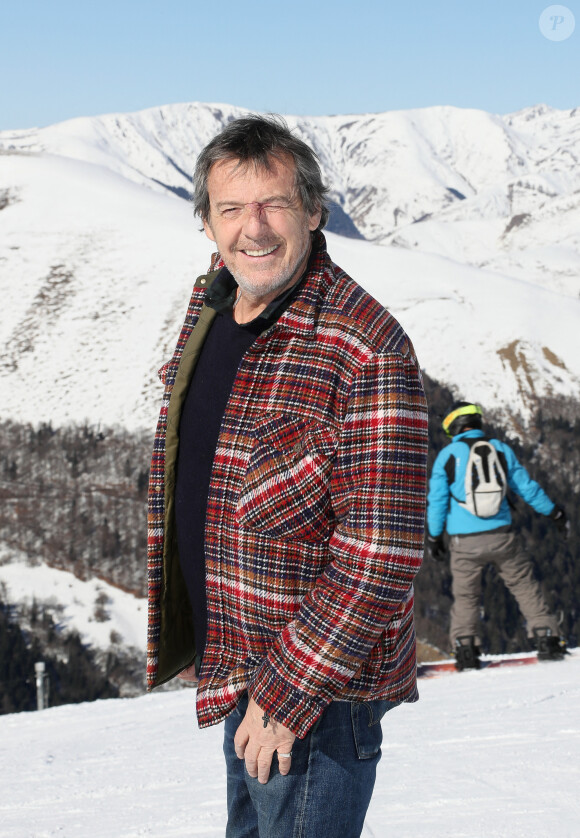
<point>330,784</point>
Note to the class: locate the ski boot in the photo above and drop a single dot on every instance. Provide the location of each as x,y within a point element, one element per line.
<point>466,653</point>
<point>549,646</point>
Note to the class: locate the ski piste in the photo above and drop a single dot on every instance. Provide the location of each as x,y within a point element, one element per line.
<point>435,669</point>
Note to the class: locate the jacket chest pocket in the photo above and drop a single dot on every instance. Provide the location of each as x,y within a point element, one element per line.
<point>285,492</point>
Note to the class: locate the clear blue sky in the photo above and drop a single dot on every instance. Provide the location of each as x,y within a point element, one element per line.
<point>65,58</point>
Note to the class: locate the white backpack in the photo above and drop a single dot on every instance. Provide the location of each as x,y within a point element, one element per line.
<point>485,479</point>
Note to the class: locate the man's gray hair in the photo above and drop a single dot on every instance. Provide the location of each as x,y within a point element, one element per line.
<point>257,139</point>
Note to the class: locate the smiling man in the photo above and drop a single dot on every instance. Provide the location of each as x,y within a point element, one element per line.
<point>263,233</point>
<point>287,498</point>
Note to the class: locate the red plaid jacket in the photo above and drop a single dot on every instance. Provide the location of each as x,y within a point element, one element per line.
<point>315,514</point>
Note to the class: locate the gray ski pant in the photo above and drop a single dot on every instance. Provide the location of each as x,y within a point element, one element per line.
<point>469,556</point>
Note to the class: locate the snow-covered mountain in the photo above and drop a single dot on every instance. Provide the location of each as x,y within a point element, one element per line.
<point>98,250</point>
<point>480,188</point>
<point>490,754</point>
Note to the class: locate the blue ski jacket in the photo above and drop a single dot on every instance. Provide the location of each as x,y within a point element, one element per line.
<point>443,511</point>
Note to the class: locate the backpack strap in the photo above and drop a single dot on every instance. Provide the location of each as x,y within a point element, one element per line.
<point>450,464</point>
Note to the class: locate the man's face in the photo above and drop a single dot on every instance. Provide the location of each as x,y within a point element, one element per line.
<point>259,225</point>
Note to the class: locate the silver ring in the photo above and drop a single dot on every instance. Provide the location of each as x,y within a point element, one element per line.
<point>286,756</point>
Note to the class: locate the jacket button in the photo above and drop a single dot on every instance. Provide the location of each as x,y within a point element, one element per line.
<point>159,487</point>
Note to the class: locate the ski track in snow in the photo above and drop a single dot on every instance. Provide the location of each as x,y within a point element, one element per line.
<point>491,754</point>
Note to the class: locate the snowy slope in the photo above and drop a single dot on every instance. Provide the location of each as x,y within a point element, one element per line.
<point>96,272</point>
<point>96,269</point>
<point>490,754</point>
<point>94,609</point>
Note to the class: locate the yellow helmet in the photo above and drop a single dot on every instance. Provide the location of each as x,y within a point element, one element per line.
<point>463,415</point>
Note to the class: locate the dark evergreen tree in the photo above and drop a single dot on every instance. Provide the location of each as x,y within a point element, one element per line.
<point>17,686</point>
<point>72,671</point>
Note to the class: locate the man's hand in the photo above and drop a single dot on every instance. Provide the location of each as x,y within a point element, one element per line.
<point>560,519</point>
<point>256,743</point>
<point>436,548</point>
<point>189,675</point>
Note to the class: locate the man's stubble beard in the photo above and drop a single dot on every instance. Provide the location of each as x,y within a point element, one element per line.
<point>277,283</point>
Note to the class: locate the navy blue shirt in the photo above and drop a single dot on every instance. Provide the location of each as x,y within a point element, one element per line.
<point>199,429</point>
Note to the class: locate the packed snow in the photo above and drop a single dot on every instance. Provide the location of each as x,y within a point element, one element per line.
<point>489,754</point>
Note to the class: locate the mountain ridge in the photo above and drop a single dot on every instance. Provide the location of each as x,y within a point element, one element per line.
<point>387,171</point>
<point>100,251</point>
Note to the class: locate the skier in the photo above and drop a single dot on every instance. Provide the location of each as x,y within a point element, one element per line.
<point>467,496</point>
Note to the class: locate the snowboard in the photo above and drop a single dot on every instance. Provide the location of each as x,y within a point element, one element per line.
<point>433,669</point>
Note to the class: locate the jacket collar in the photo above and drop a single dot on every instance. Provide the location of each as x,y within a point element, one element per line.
<point>473,434</point>
<point>221,296</point>
<point>300,315</point>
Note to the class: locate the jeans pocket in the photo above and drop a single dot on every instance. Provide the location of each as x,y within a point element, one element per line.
<point>366,725</point>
